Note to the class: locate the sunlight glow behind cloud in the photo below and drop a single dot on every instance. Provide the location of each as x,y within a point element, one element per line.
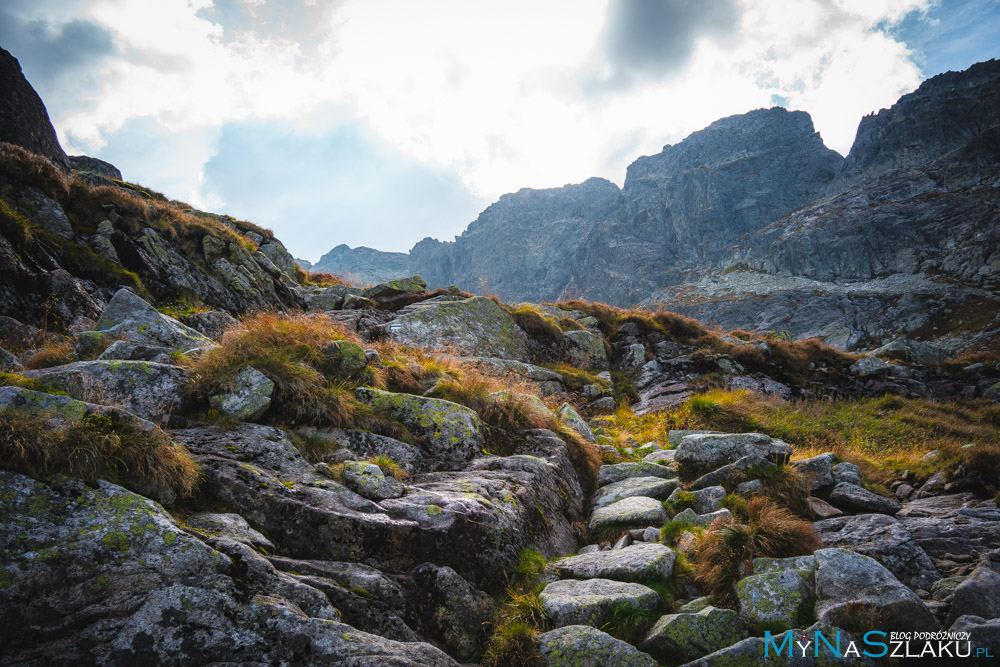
<point>502,95</point>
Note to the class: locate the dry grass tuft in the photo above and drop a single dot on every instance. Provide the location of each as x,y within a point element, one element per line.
<point>28,168</point>
<point>288,350</point>
<point>53,354</point>
<point>726,552</point>
<point>97,447</point>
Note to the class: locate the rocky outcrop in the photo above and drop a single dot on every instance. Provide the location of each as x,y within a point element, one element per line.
<point>131,586</point>
<point>23,119</point>
<point>752,223</point>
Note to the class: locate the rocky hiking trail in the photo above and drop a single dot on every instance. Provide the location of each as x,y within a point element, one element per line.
<point>874,570</point>
<point>440,521</point>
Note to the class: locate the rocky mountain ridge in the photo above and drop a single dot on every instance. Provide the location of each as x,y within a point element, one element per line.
<point>914,203</point>
<point>400,476</point>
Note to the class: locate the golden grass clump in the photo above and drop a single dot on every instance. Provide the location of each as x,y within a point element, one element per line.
<point>27,168</point>
<point>289,350</point>
<point>726,552</point>
<point>55,353</point>
<point>98,446</point>
<point>538,326</point>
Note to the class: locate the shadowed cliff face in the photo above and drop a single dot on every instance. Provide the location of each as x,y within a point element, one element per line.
<point>23,119</point>
<point>747,222</point>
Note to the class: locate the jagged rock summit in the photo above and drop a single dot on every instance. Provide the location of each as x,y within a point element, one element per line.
<point>752,223</point>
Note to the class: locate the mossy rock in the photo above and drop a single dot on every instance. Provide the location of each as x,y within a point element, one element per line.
<point>691,636</point>
<point>446,430</point>
<point>778,599</point>
<point>584,646</point>
<point>474,327</point>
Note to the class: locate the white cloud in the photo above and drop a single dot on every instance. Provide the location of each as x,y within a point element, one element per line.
<point>490,89</point>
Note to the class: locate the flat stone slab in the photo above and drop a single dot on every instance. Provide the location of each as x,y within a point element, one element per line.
<point>650,487</point>
<point>609,474</point>
<point>593,601</point>
<point>582,645</point>
<point>635,512</point>
<point>635,563</point>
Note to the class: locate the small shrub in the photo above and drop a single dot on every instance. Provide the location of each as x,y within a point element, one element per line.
<point>727,550</point>
<point>96,447</point>
<point>681,502</point>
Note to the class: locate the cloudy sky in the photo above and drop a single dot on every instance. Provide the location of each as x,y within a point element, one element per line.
<point>380,122</point>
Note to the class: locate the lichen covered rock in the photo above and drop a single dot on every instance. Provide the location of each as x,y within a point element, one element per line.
<point>584,646</point>
<point>650,487</point>
<point>129,317</point>
<point>131,587</point>
<point>593,601</point>
<point>635,512</point>
<point>586,349</point>
<point>688,636</point>
<point>248,398</point>
<point>475,327</point>
<point>148,390</point>
<point>447,430</point>
<point>368,480</point>
<point>779,598</point>
<point>609,474</point>
<point>639,562</point>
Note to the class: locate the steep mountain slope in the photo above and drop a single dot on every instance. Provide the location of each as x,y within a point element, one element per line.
<point>911,247</point>
<point>753,223</point>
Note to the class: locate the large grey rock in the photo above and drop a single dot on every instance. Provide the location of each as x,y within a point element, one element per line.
<point>127,316</point>
<point>396,290</point>
<point>963,531</point>
<point>632,512</point>
<point>212,323</point>
<point>231,526</point>
<point>817,469</point>
<point>639,562</point>
<point>531,499</point>
<point>611,473</point>
<point>475,327</point>
<point>584,646</point>
<point>709,451</point>
<point>368,480</point>
<point>725,475</point>
<point>978,595</point>
<point>571,418</point>
<point>148,390</point>
<point>781,649</point>
<point>660,456</point>
<point>447,430</point>
<point>248,397</point>
<point>131,587</point>
<point>849,585</point>
<point>586,349</point>
<point>688,636</point>
<point>983,633</point>
<point>859,499</point>
<point>847,473</point>
<point>450,610</point>
<point>23,119</point>
<point>650,487</point>
<point>885,539</point>
<point>9,363</point>
<point>593,601</point>
<point>777,598</point>
<point>868,366</point>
